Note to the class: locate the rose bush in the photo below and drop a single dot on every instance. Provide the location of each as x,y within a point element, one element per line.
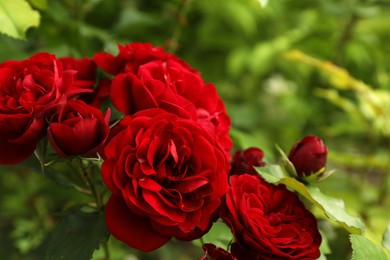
<point>308,155</point>
<point>268,221</point>
<point>148,77</point>
<point>29,91</point>
<point>167,176</point>
<point>77,129</point>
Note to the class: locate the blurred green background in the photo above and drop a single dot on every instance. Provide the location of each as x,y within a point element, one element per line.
<point>284,69</point>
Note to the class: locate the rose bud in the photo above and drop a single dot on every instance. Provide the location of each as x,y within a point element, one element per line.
<point>215,253</point>
<point>78,129</point>
<point>309,156</point>
<point>245,161</point>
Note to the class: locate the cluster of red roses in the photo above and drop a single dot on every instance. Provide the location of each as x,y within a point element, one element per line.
<point>166,161</point>
<point>44,95</point>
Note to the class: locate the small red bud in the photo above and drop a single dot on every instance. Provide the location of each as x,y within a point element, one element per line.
<point>308,155</point>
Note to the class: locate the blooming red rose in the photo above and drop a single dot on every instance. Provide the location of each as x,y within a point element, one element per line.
<point>148,77</point>
<point>215,253</point>
<point>308,155</point>
<point>245,161</point>
<point>77,129</point>
<point>29,89</point>
<point>167,176</point>
<point>268,221</point>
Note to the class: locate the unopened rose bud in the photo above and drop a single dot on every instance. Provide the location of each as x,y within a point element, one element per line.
<point>308,156</point>
<point>245,161</point>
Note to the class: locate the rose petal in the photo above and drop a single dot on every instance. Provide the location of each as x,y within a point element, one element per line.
<point>134,230</point>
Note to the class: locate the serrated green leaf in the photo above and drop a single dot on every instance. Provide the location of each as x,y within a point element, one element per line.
<point>16,17</point>
<point>77,235</point>
<point>386,238</point>
<point>333,208</point>
<point>364,249</point>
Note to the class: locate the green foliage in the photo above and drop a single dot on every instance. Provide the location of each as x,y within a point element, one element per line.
<point>76,235</point>
<point>17,16</point>
<point>364,249</point>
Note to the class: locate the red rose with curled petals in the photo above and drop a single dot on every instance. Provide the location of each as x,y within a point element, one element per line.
<point>167,176</point>
<point>268,221</point>
<point>215,253</point>
<point>29,90</point>
<point>78,129</point>
<point>308,156</point>
<point>148,77</point>
<point>245,161</point>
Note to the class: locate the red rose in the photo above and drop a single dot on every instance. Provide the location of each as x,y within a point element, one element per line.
<point>215,253</point>
<point>268,221</point>
<point>85,77</point>
<point>245,161</point>
<point>147,77</point>
<point>130,57</point>
<point>77,129</point>
<point>308,155</point>
<point>167,176</point>
<point>29,89</point>
<point>85,70</point>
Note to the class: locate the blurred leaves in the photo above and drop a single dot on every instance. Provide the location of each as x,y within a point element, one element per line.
<point>371,105</point>
<point>16,17</point>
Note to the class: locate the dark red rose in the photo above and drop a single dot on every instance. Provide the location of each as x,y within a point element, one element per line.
<point>130,57</point>
<point>148,77</point>
<point>29,90</point>
<point>268,221</point>
<point>308,155</point>
<point>167,176</point>
<point>85,68</point>
<point>85,77</point>
<point>100,93</point>
<point>245,161</point>
<point>215,253</point>
<point>77,129</point>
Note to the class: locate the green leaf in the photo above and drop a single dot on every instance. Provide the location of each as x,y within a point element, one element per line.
<point>386,238</point>
<point>77,235</point>
<point>333,208</point>
<point>39,4</point>
<point>16,17</point>
<point>364,249</point>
